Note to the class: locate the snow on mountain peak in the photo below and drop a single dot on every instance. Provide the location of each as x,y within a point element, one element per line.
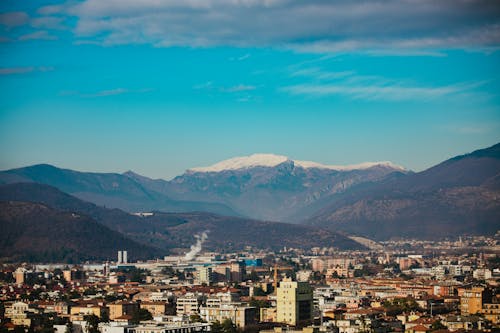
<point>360,166</point>
<point>271,160</point>
<point>244,162</point>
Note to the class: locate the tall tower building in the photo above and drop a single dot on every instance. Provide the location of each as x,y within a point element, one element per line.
<point>19,275</point>
<point>120,257</point>
<point>294,302</point>
<point>125,259</point>
<point>205,275</point>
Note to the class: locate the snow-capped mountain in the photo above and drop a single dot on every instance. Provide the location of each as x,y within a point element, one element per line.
<point>262,186</point>
<point>272,187</point>
<point>272,160</point>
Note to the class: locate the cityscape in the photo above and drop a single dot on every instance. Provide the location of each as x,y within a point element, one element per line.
<point>404,285</point>
<point>249,166</point>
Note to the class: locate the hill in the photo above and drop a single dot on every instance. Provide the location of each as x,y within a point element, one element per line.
<point>176,230</point>
<point>35,232</point>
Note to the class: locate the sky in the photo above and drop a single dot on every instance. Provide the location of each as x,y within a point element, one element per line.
<point>158,87</point>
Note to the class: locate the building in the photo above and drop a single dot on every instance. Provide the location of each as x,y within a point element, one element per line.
<point>119,309</point>
<point>204,275</point>
<point>491,312</point>
<point>156,308</point>
<point>20,275</point>
<point>173,328</point>
<point>238,270</point>
<point>482,274</point>
<point>268,315</point>
<point>20,314</point>
<point>472,300</point>
<point>241,316</point>
<point>78,312</point>
<point>294,302</point>
<point>188,304</point>
<point>73,274</point>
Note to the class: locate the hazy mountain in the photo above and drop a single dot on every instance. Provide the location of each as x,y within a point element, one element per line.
<point>176,230</point>
<point>458,196</point>
<point>260,186</point>
<point>266,186</point>
<point>36,232</point>
<point>107,189</point>
<point>380,199</point>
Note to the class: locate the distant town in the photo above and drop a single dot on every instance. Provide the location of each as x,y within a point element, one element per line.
<point>409,286</point>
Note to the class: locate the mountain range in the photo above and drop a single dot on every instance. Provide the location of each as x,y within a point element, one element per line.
<point>376,199</point>
<point>261,186</point>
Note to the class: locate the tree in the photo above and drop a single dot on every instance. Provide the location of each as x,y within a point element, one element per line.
<point>216,327</point>
<point>195,318</point>
<point>254,276</point>
<point>141,315</point>
<point>259,303</point>
<point>258,291</point>
<point>92,323</point>
<point>437,325</point>
<point>228,326</point>
<point>69,327</point>
<point>400,305</point>
<point>105,317</point>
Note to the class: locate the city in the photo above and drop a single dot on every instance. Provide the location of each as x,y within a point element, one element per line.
<point>401,286</point>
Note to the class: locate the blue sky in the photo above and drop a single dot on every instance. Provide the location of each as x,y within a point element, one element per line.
<point>161,86</point>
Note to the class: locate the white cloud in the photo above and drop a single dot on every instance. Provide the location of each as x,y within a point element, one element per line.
<point>304,26</point>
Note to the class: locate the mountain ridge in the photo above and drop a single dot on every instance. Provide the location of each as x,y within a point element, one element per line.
<point>459,195</point>
<point>106,189</point>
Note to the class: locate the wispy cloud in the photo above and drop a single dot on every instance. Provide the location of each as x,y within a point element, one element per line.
<point>423,27</point>
<point>24,70</point>
<point>110,92</point>
<point>240,58</point>
<point>13,19</point>
<point>320,83</point>
<point>206,85</point>
<point>239,87</point>
<point>38,35</point>
<point>319,74</point>
<point>232,89</point>
<point>48,22</point>
<point>374,92</point>
<point>105,93</point>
